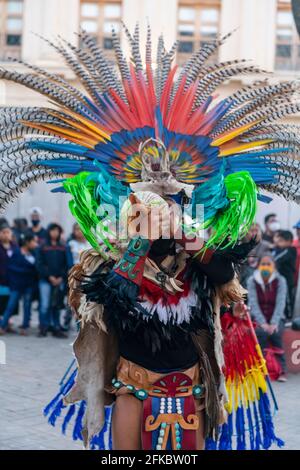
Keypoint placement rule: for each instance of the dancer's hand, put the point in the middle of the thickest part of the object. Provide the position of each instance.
(146, 222)
(239, 309)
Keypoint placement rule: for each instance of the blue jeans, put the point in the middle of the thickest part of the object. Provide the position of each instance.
(49, 316)
(14, 298)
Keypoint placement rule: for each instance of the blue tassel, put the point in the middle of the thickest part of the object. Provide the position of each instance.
(63, 391)
(250, 427)
(98, 441)
(225, 442)
(210, 444)
(269, 436)
(78, 422)
(68, 417)
(258, 441)
(56, 412)
(52, 404)
(240, 428)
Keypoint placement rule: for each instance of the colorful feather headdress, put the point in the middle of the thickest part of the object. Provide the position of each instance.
(133, 127)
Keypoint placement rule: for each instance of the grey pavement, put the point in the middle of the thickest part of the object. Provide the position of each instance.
(30, 377)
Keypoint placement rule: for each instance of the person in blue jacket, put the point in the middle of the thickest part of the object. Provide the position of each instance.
(22, 278)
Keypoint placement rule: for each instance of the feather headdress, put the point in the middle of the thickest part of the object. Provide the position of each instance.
(131, 126)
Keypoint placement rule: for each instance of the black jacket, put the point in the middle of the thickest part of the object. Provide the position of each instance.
(52, 261)
(285, 259)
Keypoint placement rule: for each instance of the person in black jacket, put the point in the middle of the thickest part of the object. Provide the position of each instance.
(22, 277)
(285, 256)
(52, 269)
(7, 249)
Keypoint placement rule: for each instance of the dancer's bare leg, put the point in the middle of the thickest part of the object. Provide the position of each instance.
(126, 423)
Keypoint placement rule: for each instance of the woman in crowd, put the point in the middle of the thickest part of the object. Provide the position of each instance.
(52, 269)
(76, 244)
(22, 277)
(267, 292)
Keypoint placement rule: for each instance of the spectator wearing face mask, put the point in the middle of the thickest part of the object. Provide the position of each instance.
(272, 224)
(285, 256)
(261, 248)
(36, 228)
(267, 291)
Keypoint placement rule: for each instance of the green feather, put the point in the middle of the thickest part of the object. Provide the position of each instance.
(84, 206)
(233, 222)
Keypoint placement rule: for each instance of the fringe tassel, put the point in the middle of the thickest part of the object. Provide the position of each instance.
(103, 440)
(258, 441)
(56, 405)
(210, 444)
(56, 412)
(250, 428)
(225, 442)
(78, 422)
(269, 436)
(68, 417)
(240, 428)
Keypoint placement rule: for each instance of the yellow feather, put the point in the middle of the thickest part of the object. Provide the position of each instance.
(88, 123)
(232, 134)
(80, 127)
(242, 147)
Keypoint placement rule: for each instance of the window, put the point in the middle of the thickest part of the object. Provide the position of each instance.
(98, 17)
(198, 24)
(11, 25)
(287, 39)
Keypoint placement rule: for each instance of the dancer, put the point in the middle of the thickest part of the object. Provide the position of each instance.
(130, 149)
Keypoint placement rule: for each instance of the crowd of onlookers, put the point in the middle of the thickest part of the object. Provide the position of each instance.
(34, 263)
(271, 277)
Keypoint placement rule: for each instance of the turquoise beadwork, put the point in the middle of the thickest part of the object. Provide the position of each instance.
(197, 390)
(141, 394)
(130, 387)
(117, 384)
